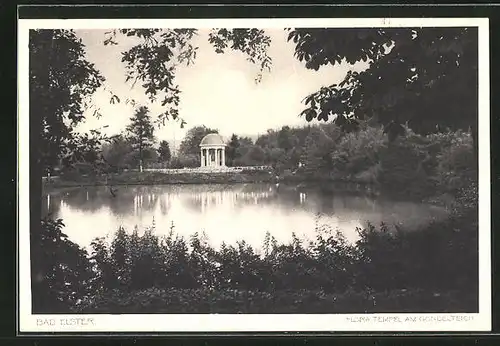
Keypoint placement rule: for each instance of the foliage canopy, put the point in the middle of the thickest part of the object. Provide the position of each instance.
(61, 82)
(424, 77)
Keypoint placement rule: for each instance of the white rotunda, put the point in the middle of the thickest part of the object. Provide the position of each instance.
(213, 151)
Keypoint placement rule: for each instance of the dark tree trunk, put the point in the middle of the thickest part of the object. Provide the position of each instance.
(140, 157)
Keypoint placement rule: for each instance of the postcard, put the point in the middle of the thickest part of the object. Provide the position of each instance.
(254, 175)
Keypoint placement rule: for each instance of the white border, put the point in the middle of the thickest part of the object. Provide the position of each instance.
(247, 322)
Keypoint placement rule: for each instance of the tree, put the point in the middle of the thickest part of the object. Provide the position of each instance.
(246, 142)
(232, 148)
(317, 153)
(268, 140)
(426, 77)
(61, 82)
(285, 139)
(252, 155)
(154, 60)
(164, 152)
(278, 158)
(61, 273)
(119, 257)
(141, 132)
(118, 153)
(190, 145)
(249, 154)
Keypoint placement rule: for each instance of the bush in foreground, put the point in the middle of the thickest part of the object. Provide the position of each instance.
(229, 301)
(437, 265)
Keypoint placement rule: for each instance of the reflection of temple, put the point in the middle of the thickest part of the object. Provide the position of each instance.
(247, 195)
(207, 200)
(302, 197)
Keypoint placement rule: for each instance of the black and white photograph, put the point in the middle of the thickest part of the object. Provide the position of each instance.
(254, 175)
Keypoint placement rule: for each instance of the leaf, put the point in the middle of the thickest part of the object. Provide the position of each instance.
(323, 115)
(309, 99)
(310, 115)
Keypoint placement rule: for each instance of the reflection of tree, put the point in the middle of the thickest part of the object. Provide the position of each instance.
(87, 199)
(258, 188)
(124, 201)
(143, 199)
(326, 205)
(121, 205)
(289, 197)
(164, 204)
(51, 205)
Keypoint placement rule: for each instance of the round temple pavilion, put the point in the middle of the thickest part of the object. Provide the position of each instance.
(213, 151)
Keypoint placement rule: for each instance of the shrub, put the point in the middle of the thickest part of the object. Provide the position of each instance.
(402, 173)
(61, 271)
(457, 166)
(185, 161)
(134, 271)
(382, 259)
(413, 166)
(230, 301)
(358, 151)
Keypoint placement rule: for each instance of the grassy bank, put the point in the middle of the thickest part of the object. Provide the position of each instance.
(160, 178)
(230, 301)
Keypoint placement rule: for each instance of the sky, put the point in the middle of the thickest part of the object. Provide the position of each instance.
(218, 91)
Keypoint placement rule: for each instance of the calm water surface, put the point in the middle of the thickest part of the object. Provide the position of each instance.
(226, 213)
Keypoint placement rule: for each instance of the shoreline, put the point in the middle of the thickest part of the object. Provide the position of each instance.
(328, 187)
(298, 182)
(197, 178)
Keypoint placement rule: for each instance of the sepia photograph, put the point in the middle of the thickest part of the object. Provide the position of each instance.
(209, 175)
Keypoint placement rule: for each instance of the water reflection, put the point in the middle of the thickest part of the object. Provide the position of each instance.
(224, 212)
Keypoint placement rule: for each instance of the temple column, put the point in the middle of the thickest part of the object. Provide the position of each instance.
(223, 150)
(202, 159)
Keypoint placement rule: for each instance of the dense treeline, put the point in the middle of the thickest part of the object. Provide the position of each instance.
(420, 166)
(144, 270)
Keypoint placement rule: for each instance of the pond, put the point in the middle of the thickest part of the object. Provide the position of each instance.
(225, 213)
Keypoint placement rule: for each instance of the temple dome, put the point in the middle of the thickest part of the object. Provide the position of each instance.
(212, 139)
